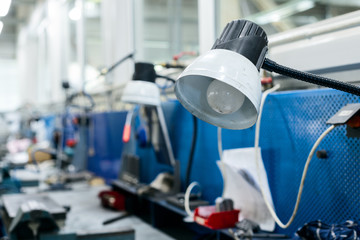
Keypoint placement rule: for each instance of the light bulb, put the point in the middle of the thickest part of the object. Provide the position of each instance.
(224, 98)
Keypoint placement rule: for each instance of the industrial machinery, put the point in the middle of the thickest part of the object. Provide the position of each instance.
(327, 48)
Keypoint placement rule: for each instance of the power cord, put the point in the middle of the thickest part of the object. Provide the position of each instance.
(194, 184)
(187, 198)
(192, 151)
(220, 150)
(257, 133)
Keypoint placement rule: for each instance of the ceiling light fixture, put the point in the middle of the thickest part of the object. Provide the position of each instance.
(1, 26)
(76, 12)
(282, 11)
(4, 7)
(222, 87)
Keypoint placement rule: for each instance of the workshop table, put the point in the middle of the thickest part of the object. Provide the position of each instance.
(87, 215)
(170, 218)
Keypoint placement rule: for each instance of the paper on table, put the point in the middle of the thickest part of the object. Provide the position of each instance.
(242, 185)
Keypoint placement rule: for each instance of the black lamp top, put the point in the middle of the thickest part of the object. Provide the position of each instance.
(144, 71)
(245, 38)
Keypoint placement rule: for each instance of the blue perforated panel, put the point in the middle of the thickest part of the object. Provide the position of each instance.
(292, 122)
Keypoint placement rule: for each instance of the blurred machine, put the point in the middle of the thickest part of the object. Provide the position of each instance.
(326, 48)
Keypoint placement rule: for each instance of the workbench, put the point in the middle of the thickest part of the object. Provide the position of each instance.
(164, 216)
(86, 215)
(161, 214)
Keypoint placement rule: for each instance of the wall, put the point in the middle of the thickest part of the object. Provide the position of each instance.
(164, 28)
(41, 54)
(9, 81)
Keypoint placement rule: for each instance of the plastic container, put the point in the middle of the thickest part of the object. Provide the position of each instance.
(208, 217)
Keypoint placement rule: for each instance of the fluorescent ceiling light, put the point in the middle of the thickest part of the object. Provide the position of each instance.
(1, 26)
(282, 11)
(75, 13)
(4, 7)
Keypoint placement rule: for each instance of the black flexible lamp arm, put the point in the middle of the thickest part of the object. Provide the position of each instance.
(105, 71)
(272, 66)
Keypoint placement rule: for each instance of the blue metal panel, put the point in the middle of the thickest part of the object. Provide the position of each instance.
(107, 142)
(204, 169)
(149, 166)
(292, 121)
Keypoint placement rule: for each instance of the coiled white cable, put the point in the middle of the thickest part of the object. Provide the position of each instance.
(257, 133)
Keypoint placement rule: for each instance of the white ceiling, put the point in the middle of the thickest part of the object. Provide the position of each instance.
(20, 10)
(18, 15)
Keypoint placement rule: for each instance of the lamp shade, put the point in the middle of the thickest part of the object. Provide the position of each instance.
(222, 87)
(141, 92)
(231, 70)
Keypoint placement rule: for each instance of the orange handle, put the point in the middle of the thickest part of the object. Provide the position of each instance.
(126, 133)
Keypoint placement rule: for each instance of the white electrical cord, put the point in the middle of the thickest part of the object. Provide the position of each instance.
(187, 198)
(219, 143)
(263, 98)
(221, 166)
(257, 133)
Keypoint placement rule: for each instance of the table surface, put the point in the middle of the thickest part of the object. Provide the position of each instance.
(87, 214)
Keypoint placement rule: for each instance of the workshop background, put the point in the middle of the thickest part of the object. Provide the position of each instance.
(64, 68)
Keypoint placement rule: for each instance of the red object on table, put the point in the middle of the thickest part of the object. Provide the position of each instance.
(208, 217)
(113, 200)
(70, 142)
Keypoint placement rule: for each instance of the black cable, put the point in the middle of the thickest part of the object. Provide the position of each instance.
(166, 77)
(111, 220)
(272, 66)
(80, 94)
(192, 151)
(108, 70)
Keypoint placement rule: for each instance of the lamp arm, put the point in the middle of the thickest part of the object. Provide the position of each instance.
(272, 66)
(105, 71)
